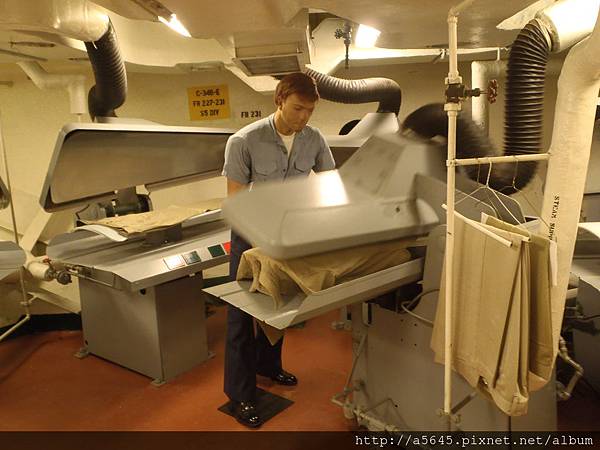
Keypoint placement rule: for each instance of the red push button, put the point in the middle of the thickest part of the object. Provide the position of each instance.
(227, 247)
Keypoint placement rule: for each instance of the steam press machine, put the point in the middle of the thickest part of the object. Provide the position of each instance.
(141, 300)
(390, 188)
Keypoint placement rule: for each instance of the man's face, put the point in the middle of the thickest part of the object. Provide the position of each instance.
(295, 111)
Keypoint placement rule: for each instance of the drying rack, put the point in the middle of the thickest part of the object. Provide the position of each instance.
(452, 107)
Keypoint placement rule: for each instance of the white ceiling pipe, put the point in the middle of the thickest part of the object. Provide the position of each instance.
(74, 84)
(484, 71)
(569, 21)
(575, 110)
(73, 19)
(566, 22)
(77, 19)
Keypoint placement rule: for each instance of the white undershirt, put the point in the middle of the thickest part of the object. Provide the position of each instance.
(288, 141)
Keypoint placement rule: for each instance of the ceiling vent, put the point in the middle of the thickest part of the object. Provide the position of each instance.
(270, 65)
(272, 59)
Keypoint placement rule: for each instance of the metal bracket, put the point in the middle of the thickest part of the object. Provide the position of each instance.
(457, 92)
(345, 33)
(451, 419)
(82, 353)
(158, 382)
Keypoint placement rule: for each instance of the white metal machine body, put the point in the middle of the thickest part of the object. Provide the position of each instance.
(141, 300)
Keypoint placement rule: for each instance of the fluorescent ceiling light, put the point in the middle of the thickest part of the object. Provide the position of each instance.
(366, 36)
(174, 24)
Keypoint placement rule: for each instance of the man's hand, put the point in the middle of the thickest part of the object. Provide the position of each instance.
(234, 187)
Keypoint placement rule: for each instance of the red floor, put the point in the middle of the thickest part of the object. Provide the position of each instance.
(43, 387)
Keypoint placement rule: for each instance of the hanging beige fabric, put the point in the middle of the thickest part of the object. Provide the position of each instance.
(490, 298)
(541, 355)
(510, 390)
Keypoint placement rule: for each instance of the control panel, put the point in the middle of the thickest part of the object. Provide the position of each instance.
(195, 256)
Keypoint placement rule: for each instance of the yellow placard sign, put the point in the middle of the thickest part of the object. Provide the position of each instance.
(209, 102)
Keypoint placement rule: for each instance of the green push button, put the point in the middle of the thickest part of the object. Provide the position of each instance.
(216, 250)
(191, 257)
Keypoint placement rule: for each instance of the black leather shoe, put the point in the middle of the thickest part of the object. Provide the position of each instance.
(245, 413)
(284, 378)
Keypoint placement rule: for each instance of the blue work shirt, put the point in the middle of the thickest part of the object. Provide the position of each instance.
(256, 153)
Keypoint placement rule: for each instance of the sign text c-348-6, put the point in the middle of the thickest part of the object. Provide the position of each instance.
(209, 102)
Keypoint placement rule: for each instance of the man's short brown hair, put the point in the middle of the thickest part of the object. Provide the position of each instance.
(296, 83)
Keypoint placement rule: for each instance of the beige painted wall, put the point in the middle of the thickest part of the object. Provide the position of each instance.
(31, 119)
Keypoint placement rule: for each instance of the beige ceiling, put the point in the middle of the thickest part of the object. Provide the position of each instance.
(404, 23)
(217, 25)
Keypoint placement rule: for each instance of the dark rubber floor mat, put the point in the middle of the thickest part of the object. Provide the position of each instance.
(268, 405)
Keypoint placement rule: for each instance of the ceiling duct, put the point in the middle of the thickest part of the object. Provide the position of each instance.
(274, 51)
(271, 60)
(74, 19)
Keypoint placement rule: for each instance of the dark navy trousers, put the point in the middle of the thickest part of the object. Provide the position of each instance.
(246, 352)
